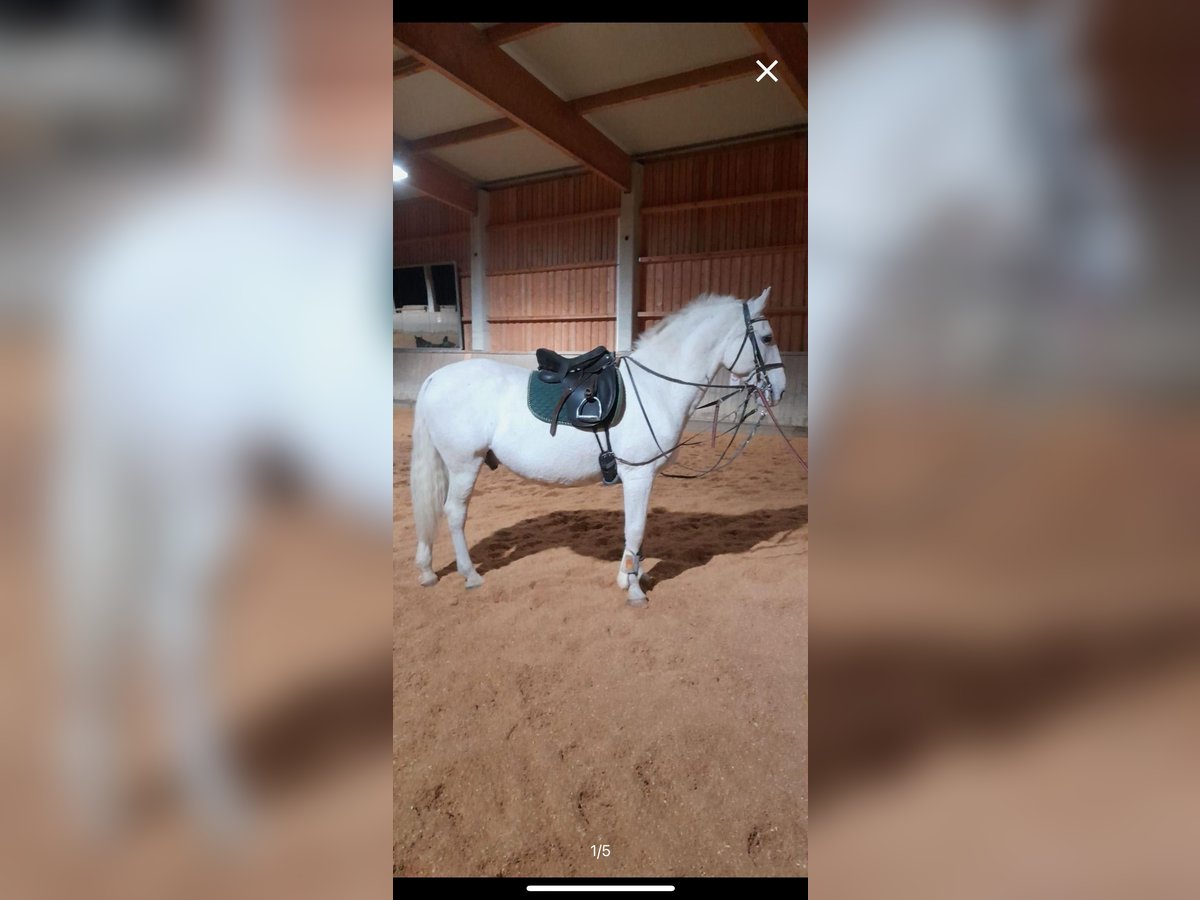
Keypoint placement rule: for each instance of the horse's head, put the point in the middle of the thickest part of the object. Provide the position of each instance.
(750, 353)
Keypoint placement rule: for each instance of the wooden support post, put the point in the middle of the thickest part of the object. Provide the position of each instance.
(628, 248)
(480, 339)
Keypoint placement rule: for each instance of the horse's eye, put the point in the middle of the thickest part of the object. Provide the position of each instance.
(767, 338)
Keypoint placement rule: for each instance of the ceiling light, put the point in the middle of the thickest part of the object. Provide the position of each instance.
(398, 174)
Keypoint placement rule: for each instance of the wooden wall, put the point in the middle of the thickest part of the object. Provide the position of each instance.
(551, 265)
(731, 220)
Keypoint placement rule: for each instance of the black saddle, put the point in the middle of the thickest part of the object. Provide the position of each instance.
(591, 387)
(553, 368)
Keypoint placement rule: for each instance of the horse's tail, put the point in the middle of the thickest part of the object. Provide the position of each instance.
(427, 478)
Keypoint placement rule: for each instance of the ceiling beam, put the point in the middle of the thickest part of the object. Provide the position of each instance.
(658, 87)
(513, 31)
(788, 43)
(406, 65)
(462, 135)
(470, 60)
(499, 34)
(436, 181)
(670, 84)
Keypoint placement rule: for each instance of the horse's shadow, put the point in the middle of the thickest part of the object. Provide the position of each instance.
(336, 719)
(680, 540)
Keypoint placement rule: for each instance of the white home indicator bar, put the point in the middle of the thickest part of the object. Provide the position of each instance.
(599, 887)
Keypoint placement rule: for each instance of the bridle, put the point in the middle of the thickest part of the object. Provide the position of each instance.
(754, 386)
(761, 381)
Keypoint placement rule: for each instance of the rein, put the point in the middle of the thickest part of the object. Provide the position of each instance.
(754, 390)
(775, 422)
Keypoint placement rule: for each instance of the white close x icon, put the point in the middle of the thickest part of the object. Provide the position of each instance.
(766, 70)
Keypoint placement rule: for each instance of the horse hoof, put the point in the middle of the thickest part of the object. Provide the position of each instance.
(474, 580)
(638, 602)
(429, 579)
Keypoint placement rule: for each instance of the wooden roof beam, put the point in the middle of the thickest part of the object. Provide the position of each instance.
(788, 43)
(462, 135)
(670, 84)
(436, 181)
(657, 87)
(470, 60)
(502, 33)
(507, 32)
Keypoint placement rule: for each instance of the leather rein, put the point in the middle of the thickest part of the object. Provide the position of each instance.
(754, 390)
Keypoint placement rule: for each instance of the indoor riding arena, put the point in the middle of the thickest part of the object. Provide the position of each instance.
(566, 187)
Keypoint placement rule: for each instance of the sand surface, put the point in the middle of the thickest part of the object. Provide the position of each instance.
(539, 715)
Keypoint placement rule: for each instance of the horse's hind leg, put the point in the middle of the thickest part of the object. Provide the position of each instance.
(462, 482)
(425, 564)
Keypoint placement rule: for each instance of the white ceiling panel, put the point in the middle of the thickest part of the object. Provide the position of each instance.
(720, 111)
(579, 59)
(428, 103)
(508, 155)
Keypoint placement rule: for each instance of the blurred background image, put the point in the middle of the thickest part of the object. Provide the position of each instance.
(1002, 387)
(195, 449)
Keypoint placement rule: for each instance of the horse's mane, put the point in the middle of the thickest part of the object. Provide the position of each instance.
(682, 321)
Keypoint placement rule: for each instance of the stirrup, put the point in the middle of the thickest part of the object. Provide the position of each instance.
(587, 417)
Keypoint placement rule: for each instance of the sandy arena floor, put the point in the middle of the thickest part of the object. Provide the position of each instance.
(540, 715)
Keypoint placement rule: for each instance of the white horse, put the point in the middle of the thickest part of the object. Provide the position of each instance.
(172, 389)
(476, 409)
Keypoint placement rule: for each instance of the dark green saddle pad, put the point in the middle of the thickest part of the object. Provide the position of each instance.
(542, 398)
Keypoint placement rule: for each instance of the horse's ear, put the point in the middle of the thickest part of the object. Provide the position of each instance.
(759, 303)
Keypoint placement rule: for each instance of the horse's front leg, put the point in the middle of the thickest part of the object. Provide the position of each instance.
(637, 499)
